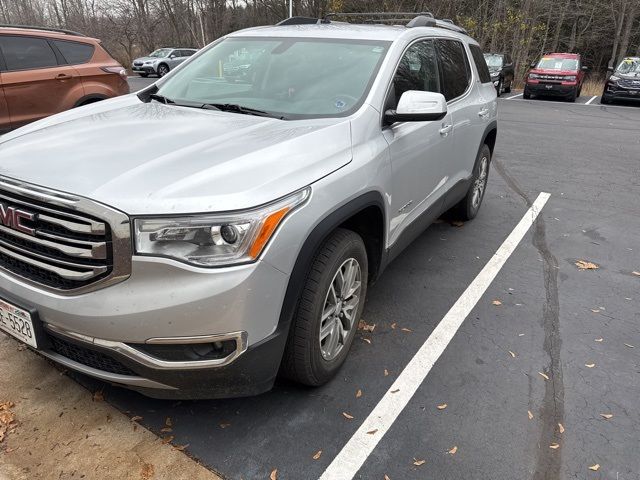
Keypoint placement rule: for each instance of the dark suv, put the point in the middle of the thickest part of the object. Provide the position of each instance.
(624, 82)
(556, 74)
(501, 70)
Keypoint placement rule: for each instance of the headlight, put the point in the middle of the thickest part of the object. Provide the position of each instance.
(148, 62)
(613, 78)
(570, 78)
(217, 239)
(534, 75)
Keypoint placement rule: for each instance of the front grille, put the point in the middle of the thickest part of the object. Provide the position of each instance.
(626, 83)
(90, 358)
(51, 245)
(137, 64)
(557, 78)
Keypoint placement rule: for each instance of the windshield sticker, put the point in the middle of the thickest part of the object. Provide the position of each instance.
(340, 104)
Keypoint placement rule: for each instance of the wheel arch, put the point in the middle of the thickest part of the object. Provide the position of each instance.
(91, 98)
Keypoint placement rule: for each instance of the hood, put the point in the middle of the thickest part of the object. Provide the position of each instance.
(151, 158)
(549, 71)
(628, 76)
(146, 59)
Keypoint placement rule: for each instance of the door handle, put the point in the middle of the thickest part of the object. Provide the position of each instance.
(484, 113)
(445, 130)
(63, 76)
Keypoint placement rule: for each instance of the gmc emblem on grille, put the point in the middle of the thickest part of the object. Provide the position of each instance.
(14, 218)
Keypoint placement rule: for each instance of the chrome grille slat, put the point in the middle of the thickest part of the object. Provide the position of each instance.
(62, 272)
(92, 250)
(71, 222)
(62, 243)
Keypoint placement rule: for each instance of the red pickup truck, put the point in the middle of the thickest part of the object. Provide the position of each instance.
(556, 74)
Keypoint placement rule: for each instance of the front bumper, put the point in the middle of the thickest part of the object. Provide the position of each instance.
(551, 89)
(616, 92)
(148, 69)
(120, 334)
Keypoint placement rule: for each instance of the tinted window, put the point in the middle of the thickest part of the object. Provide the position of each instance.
(74, 52)
(187, 53)
(23, 53)
(417, 70)
(481, 64)
(455, 68)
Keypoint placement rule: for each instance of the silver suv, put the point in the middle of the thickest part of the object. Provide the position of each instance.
(199, 237)
(161, 61)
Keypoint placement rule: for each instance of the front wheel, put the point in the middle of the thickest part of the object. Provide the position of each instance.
(605, 100)
(499, 87)
(507, 89)
(469, 206)
(162, 70)
(326, 319)
(526, 94)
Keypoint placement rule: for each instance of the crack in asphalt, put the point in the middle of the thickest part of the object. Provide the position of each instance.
(548, 461)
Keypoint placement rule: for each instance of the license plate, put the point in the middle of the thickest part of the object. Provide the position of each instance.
(17, 323)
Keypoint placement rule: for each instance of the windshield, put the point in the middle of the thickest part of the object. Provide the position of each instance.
(161, 53)
(493, 60)
(286, 77)
(629, 65)
(554, 63)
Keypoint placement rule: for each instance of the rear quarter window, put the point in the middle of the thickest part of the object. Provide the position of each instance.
(481, 64)
(74, 52)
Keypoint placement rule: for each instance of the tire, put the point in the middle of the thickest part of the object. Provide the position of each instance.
(163, 69)
(508, 89)
(526, 94)
(573, 95)
(144, 75)
(469, 206)
(604, 99)
(309, 358)
(499, 89)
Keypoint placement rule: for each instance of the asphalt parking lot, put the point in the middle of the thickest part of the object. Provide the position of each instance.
(547, 351)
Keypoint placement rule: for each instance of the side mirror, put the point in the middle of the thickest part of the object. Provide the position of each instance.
(533, 65)
(418, 106)
(584, 69)
(172, 55)
(610, 69)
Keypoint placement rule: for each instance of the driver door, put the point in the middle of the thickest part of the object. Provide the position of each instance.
(419, 151)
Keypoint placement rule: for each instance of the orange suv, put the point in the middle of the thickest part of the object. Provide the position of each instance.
(45, 71)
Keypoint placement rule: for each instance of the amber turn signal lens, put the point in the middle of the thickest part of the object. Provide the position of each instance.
(268, 227)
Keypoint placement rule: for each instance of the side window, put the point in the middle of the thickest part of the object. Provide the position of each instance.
(24, 53)
(74, 52)
(481, 64)
(417, 70)
(455, 68)
(174, 53)
(188, 53)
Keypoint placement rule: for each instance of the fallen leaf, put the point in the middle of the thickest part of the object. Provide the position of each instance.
(386, 477)
(166, 429)
(317, 455)
(606, 415)
(136, 418)
(554, 446)
(584, 265)
(386, 372)
(98, 396)
(405, 329)
(395, 391)
(521, 334)
(512, 354)
(21, 347)
(180, 448)
(417, 463)
(496, 302)
(274, 474)
(453, 450)
(358, 393)
(530, 414)
(599, 339)
(147, 471)
(364, 326)
(629, 345)
(224, 425)
(347, 416)
(442, 407)
(595, 467)
(366, 340)
(393, 325)
(637, 274)
(457, 223)
(371, 432)
(589, 365)
(560, 428)
(546, 377)
(595, 310)
(167, 439)
(168, 422)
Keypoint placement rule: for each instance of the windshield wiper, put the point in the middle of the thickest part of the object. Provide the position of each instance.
(161, 98)
(235, 108)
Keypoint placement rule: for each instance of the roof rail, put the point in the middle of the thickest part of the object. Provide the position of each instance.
(302, 21)
(379, 17)
(449, 25)
(46, 29)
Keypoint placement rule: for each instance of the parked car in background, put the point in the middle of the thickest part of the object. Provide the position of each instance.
(624, 82)
(222, 232)
(556, 74)
(44, 71)
(501, 71)
(161, 61)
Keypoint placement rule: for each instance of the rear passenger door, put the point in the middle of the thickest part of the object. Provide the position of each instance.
(419, 151)
(34, 83)
(466, 110)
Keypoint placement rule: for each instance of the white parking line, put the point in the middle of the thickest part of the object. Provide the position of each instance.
(514, 96)
(592, 99)
(353, 455)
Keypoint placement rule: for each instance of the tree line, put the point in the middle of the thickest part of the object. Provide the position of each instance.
(603, 31)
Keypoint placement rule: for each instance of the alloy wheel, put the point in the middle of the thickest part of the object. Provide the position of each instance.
(480, 182)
